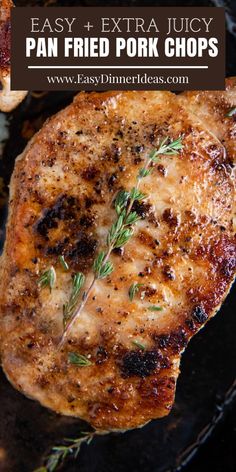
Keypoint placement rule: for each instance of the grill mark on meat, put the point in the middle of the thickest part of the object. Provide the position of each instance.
(79, 253)
(84, 249)
(140, 364)
(78, 246)
(58, 248)
(147, 240)
(170, 218)
(86, 221)
(143, 209)
(174, 342)
(65, 208)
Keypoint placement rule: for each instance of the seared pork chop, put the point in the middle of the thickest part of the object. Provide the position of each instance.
(9, 99)
(213, 108)
(182, 252)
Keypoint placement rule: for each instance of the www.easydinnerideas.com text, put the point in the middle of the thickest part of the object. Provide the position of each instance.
(95, 80)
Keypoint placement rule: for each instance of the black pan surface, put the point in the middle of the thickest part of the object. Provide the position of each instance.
(200, 432)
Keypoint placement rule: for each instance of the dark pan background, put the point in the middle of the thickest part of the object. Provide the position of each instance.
(200, 432)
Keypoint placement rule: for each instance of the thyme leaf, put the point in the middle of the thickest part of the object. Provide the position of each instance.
(132, 218)
(68, 308)
(79, 359)
(155, 308)
(231, 112)
(102, 268)
(134, 288)
(121, 201)
(63, 262)
(169, 148)
(47, 278)
(136, 195)
(139, 345)
(143, 173)
(123, 237)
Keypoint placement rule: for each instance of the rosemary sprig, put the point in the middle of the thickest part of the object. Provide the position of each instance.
(155, 308)
(47, 278)
(78, 359)
(120, 232)
(134, 288)
(59, 454)
(231, 112)
(139, 345)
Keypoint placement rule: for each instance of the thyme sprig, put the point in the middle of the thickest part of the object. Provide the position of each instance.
(69, 307)
(120, 232)
(47, 278)
(59, 454)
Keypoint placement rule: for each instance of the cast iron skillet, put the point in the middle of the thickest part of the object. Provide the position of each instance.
(206, 387)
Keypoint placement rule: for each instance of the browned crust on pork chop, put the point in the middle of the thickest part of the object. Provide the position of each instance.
(212, 108)
(182, 251)
(9, 99)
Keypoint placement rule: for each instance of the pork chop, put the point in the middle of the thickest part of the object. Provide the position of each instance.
(213, 109)
(182, 253)
(9, 99)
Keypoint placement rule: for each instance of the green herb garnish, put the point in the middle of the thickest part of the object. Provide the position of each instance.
(169, 149)
(79, 359)
(63, 263)
(155, 308)
(47, 278)
(144, 173)
(231, 112)
(102, 268)
(69, 307)
(134, 288)
(59, 454)
(121, 230)
(139, 345)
